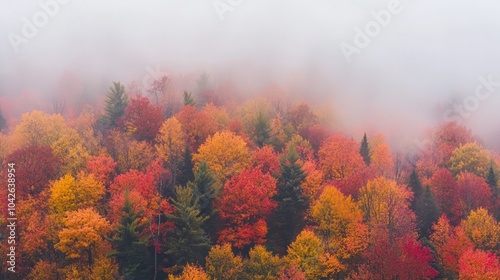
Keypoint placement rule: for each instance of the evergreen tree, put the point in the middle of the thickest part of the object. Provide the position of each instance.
(116, 101)
(186, 168)
(417, 189)
(203, 188)
(261, 130)
(188, 243)
(3, 121)
(492, 181)
(130, 249)
(288, 218)
(188, 99)
(428, 212)
(364, 150)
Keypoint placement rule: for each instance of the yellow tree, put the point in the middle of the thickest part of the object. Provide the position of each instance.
(385, 205)
(170, 146)
(221, 263)
(472, 158)
(262, 264)
(83, 235)
(69, 194)
(38, 128)
(70, 148)
(191, 272)
(226, 154)
(382, 161)
(306, 252)
(340, 228)
(483, 230)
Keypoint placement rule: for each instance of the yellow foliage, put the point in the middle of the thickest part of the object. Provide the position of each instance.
(306, 251)
(340, 227)
(190, 272)
(83, 232)
(470, 157)
(70, 148)
(483, 230)
(219, 115)
(103, 269)
(69, 194)
(222, 264)
(38, 128)
(226, 154)
(169, 142)
(262, 264)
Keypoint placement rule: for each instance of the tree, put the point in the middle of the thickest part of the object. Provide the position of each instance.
(38, 129)
(491, 179)
(82, 235)
(102, 167)
(141, 119)
(483, 230)
(70, 194)
(188, 242)
(204, 189)
(221, 263)
(261, 132)
(70, 149)
(35, 167)
(225, 153)
(170, 146)
(479, 265)
(3, 121)
(186, 167)
(427, 212)
(473, 192)
(306, 252)
(339, 158)
(130, 247)
(340, 227)
(188, 99)
(191, 272)
(196, 126)
(385, 205)
(267, 161)
(472, 158)
(288, 219)
(416, 187)
(244, 205)
(261, 264)
(445, 188)
(364, 150)
(116, 101)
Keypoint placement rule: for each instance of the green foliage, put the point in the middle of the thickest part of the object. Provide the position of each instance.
(186, 168)
(116, 101)
(261, 130)
(491, 179)
(288, 218)
(364, 150)
(130, 249)
(188, 99)
(416, 187)
(188, 243)
(427, 212)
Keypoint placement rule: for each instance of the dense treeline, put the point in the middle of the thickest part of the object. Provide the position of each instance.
(195, 188)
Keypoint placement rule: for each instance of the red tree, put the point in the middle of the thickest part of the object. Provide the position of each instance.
(473, 192)
(196, 126)
(142, 119)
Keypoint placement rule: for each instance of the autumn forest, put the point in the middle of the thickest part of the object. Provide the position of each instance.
(187, 186)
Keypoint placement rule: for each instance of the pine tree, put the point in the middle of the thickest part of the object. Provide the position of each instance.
(427, 212)
(204, 188)
(186, 168)
(288, 218)
(189, 243)
(130, 249)
(364, 150)
(115, 104)
(417, 189)
(492, 182)
(3, 121)
(261, 130)
(188, 99)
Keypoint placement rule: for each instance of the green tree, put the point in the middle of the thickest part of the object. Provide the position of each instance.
(261, 133)
(3, 121)
(288, 218)
(492, 181)
(116, 101)
(186, 168)
(262, 264)
(364, 150)
(188, 243)
(427, 212)
(416, 187)
(188, 99)
(130, 249)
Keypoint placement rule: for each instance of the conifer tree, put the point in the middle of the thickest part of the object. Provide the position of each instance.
(364, 150)
(130, 249)
(186, 168)
(428, 212)
(492, 182)
(3, 121)
(417, 189)
(189, 243)
(116, 101)
(188, 99)
(288, 218)
(261, 130)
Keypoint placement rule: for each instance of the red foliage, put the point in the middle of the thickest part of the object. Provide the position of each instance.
(316, 135)
(355, 182)
(196, 126)
(266, 160)
(444, 188)
(142, 117)
(339, 158)
(142, 182)
(103, 168)
(35, 166)
(473, 192)
(245, 203)
(479, 265)
(448, 137)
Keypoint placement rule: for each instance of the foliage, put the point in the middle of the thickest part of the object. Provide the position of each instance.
(221, 263)
(364, 150)
(141, 119)
(470, 157)
(479, 265)
(306, 252)
(262, 264)
(116, 101)
(339, 158)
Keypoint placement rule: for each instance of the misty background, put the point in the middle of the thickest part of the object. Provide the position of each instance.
(426, 59)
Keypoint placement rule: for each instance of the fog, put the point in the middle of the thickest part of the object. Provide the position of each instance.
(428, 58)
